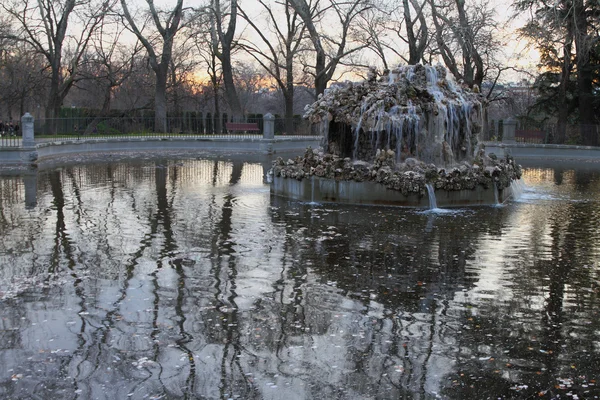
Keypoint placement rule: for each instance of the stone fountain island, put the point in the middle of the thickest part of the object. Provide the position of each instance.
(409, 138)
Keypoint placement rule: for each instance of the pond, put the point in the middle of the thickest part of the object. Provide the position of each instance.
(183, 278)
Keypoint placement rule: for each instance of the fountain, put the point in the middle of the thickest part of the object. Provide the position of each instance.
(409, 138)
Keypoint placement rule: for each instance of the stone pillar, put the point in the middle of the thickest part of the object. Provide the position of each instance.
(510, 125)
(27, 130)
(268, 132)
(269, 126)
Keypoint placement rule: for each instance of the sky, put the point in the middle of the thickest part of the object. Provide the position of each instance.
(515, 51)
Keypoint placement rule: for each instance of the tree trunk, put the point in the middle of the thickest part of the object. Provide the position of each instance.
(160, 69)
(213, 73)
(561, 126)
(289, 112)
(586, 107)
(230, 91)
(584, 76)
(53, 106)
(423, 34)
(217, 123)
(160, 101)
(415, 47)
(226, 41)
(22, 104)
(175, 93)
(288, 95)
(320, 76)
(562, 101)
(52, 109)
(103, 112)
(302, 8)
(445, 51)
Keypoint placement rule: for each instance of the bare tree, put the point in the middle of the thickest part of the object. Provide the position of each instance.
(417, 33)
(207, 47)
(22, 78)
(167, 24)
(584, 42)
(137, 91)
(223, 45)
(332, 42)
(7, 38)
(117, 64)
(280, 50)
(44, 25)
(552, 32)
(21, 72)
(566, 34)
(374, 23)
(465, 38)
(112, 64)
(250, 81)
(181, 84)
(401, 31)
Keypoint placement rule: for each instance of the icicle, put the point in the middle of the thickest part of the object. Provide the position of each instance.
(356, 132)
(409, 72)
(496, 195)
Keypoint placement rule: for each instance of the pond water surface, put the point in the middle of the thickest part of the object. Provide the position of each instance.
(185, 279)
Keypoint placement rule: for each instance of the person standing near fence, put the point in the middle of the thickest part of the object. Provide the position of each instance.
(1, 128)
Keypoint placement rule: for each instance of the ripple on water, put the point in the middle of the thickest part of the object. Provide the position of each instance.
(445, 211)
(149, 273)
(535, 195)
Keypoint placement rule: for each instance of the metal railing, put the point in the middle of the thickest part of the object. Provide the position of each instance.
(145, 127)
(10, 135)
(10, 141)
(588, 135)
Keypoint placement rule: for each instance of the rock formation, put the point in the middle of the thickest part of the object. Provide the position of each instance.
(410, 176)
(411, 128)
(417, 111)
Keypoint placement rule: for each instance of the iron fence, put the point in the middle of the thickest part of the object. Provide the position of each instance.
(10, 134)
(146, 127)
(588, 135)
(10, 141)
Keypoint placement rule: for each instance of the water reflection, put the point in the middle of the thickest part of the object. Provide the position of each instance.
(184, 278)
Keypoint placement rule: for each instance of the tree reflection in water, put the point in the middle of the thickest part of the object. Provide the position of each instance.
(186, 279)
